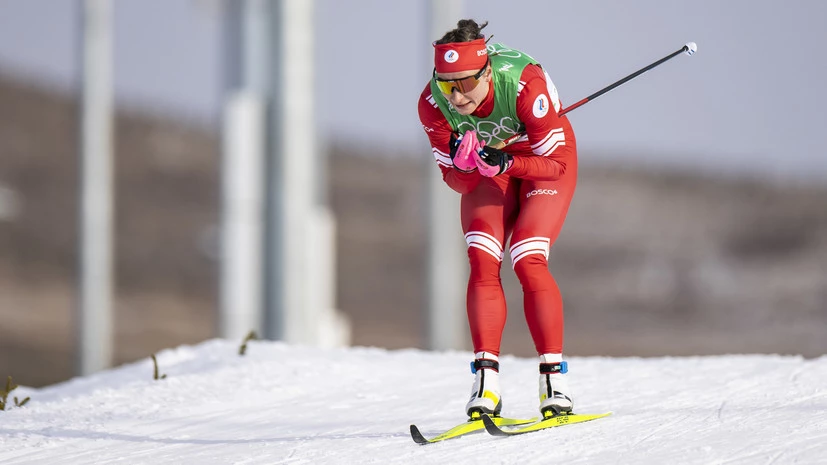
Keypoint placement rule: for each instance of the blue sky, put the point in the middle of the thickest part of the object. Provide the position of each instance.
(750, 101)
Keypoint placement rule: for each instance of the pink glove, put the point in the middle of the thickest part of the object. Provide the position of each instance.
(468, 147)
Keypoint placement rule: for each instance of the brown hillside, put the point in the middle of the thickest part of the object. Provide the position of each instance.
(649, 263)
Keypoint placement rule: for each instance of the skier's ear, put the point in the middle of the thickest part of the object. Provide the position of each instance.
(488, 73)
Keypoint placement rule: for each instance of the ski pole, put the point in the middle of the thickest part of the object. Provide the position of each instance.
(689, 48)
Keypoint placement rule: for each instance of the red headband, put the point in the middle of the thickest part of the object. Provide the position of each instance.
(460, 56)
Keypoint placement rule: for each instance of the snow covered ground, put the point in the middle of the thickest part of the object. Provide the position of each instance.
(297, 405)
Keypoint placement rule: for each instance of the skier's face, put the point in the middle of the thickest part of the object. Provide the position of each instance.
(466, 101)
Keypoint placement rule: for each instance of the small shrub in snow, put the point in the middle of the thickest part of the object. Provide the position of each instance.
(251, 336)
(4, 395)
(155, 369)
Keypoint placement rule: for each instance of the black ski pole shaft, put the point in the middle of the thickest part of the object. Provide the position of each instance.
(689, 49)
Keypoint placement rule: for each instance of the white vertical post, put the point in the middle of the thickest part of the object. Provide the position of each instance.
(94, 304)
(327, 326)
(243, 170)
(291, 158)
(299, 286)
(242, 173)
(255, 38)
(447, 263)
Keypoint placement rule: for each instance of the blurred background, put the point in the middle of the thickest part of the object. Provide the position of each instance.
(699, 225)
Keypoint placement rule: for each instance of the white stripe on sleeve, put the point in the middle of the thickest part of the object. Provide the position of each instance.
(554, 139)
(442, 158)
(430, 98)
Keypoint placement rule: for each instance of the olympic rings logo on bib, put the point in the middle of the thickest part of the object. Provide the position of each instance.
(492, 131)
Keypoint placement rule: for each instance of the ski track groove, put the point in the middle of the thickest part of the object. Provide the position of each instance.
(721, 411)
(777, 449)
(657, 430)
(774, 458)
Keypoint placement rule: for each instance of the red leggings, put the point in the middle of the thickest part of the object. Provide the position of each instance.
(531, 213)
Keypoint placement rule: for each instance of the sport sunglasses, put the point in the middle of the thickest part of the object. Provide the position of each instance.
(464, 85)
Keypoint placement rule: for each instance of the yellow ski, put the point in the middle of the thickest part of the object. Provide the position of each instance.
(558, 420)
(469, 426)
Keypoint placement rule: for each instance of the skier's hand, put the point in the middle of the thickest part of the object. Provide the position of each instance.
(463, 149)
(492, 162)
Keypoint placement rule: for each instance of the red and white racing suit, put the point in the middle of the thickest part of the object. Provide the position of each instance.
(527, 203)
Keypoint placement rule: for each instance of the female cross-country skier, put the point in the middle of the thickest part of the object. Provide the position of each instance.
(490, 113)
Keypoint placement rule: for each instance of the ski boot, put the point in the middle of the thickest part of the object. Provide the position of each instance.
(485, 394)
(555, 394)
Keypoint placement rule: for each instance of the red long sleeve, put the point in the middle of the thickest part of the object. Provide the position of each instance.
(439, 134)
(551, 141)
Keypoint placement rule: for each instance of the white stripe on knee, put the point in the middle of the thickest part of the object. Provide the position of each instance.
(532, 245)
(485, 242)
